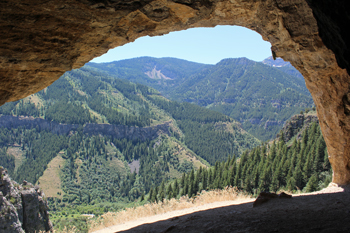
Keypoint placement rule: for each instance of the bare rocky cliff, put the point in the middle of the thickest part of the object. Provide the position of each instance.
(41, 40)
(296, 126)
(23, 208)
(116, 131)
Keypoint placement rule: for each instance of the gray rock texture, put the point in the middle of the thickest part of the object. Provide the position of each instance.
(117, 131)
(23, 208)
(296, 126)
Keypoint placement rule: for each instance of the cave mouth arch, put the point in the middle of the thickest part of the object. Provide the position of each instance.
(42, 40)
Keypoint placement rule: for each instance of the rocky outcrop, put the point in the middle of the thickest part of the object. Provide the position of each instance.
(269, 123)
(41, 40)
(130, 132)
(23, 208)
(296, 126)
(116, 131)
(31, 122)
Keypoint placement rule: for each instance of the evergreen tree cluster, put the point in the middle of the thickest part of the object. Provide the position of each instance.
(93, 174)
(69, 113)
(201, 135)
(20, 108)
(40, 147)
(73, 97)
(96, 167)
(7, 161)
(298, 165)
(185, 111)
(86, 96)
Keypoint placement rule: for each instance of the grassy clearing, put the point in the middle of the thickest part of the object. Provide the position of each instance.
(119, 165)
(17, 152)
(111, 149)
(186, 154)
(50, 181)
(35, 99)
(151, 209)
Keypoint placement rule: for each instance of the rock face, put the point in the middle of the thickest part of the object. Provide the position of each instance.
(23, 208)
(296, 126)
(117, 131)
(133, 133)
(42, 39)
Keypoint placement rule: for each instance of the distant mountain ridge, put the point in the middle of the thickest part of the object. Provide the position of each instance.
(159, 73)
(279, 62)
(282, 65)
(260, 95)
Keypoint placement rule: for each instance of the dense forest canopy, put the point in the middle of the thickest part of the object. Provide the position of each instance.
(294, 165)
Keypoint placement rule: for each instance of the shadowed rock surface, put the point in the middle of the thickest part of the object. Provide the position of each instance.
(117, 131)
(312, 212)
(23, 208)
(43, 39)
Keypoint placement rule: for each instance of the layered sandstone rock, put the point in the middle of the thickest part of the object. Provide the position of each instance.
(42, 39)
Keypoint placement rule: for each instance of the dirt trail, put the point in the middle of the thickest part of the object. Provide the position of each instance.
(327, 210)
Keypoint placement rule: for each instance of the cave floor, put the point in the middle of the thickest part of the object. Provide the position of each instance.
(324, 211)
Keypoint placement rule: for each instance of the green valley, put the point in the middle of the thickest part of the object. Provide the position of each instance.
(95, 142)
(98, 143)
(259, 95)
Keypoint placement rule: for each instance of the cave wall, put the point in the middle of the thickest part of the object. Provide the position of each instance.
(42, 39)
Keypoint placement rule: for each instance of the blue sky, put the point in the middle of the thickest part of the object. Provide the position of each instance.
(203, 45)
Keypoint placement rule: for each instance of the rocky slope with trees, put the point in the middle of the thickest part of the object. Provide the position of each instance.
(296, 162)
(111, 140)
(260, 95)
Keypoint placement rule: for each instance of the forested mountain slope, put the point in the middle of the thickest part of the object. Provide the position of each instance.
(95, 142)
(260, 96)
(163, 74)
(297, 163)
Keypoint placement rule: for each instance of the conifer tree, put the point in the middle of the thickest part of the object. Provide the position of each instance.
(312, 184)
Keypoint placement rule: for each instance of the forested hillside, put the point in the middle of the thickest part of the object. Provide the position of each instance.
(102, 171)
(85, 96)
(293, 165)
(260, 96)
(163, 74)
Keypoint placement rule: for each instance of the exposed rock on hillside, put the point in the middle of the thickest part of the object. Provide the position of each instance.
(31, 122)
(117, 131)
(23, 208)
(296, 126)
(130, 132)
